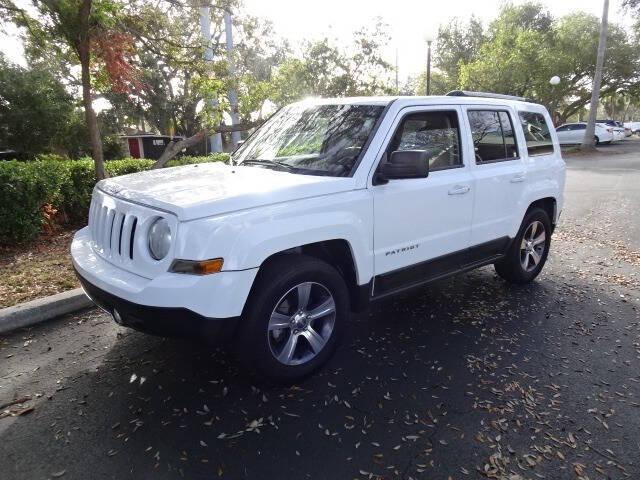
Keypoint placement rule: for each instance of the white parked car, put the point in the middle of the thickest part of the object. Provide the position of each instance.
(573, 133)
(330, 205)
(618, 128)
(633, 126)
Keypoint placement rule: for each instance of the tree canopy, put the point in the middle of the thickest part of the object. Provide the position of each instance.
(35, 109)
(331, 71)
(145, 58)
(525, 46)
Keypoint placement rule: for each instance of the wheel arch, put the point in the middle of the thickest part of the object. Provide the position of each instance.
(549, 205)
(337, 253)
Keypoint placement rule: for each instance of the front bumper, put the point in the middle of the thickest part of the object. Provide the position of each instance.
(163, 321)
(166, 299)
(221, 295)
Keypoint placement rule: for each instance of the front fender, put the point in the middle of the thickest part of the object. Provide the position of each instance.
(245, 239)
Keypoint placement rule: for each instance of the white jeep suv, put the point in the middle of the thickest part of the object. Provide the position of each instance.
(330, 205)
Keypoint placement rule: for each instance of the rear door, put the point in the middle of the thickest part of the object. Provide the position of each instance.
(499, 174)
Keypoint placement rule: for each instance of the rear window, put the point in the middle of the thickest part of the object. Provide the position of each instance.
(536, 133)
(493, 137)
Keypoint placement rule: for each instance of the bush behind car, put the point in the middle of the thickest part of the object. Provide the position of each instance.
(30, 191)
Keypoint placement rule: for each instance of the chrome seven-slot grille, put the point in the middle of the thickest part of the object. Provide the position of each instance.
(113, 232)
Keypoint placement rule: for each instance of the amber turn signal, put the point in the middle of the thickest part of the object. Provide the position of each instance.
(193, 267)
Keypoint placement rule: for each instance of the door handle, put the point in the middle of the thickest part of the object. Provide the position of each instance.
(518, 178)
(459, 190)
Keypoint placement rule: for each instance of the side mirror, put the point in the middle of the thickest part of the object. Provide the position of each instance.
(406, 164)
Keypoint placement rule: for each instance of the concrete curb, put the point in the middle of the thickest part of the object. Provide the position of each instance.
(42, 309)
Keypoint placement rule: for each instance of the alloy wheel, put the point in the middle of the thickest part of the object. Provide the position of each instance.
(301, 324)
(534, 242)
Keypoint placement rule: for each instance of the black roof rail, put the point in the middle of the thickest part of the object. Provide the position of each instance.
(465, 93)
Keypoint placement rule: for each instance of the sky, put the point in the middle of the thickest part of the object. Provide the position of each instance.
(410, 21)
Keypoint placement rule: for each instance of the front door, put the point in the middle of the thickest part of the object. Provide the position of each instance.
(134, 147)
(577, 133)
(422, 226)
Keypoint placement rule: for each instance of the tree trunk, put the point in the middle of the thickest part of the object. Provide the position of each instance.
(83, 46)
(589, 134)
(173, 148)
(626, 110)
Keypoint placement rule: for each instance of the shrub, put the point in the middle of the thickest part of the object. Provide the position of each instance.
(112, 147)
(27, 189)
(45, 157)
(188, 160)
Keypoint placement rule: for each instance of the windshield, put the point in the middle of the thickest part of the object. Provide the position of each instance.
(311, 139)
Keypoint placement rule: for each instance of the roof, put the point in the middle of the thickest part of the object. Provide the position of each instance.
(380, 100)
(419, 100)
(150, 135)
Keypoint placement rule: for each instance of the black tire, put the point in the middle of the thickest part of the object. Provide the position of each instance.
(596, 140)
(273, 286)
(511, 267)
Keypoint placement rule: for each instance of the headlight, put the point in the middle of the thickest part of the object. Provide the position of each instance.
(159, 239)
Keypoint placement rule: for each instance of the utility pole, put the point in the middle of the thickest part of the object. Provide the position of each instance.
(233, 96)
(553, 81)
(429, 39)
(397, 87)
(215, 141)
(589, 134)
(429, 69)
(613, 106)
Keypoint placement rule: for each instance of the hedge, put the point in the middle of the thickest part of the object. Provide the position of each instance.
(30, 192)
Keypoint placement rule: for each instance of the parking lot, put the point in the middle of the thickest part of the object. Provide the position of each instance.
(467, 378)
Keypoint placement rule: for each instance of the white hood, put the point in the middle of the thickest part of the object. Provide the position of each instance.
(207, 189)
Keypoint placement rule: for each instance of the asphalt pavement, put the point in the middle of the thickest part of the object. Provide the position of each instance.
(466, 378)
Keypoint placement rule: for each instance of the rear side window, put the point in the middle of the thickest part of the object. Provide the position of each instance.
(435, 132)
(493, 136)
(536, 133)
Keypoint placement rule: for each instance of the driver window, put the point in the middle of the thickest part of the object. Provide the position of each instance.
(434, 132)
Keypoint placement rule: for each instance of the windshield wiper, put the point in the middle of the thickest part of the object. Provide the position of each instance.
(261, 161)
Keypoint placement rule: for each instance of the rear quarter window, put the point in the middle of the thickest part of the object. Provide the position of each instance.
(536, 133)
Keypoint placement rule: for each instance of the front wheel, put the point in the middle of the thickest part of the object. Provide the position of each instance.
(529, 250)
(294, 318)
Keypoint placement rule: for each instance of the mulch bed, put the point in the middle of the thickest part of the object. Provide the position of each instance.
(36, 269)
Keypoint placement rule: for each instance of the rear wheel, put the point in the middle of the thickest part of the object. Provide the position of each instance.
(294, 318)
(596, 140)
(529, 250)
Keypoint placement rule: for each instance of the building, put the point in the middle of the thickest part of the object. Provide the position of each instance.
(146, 145)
